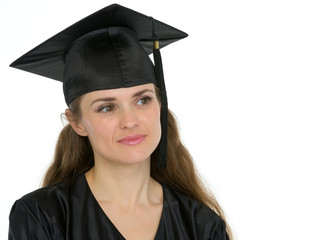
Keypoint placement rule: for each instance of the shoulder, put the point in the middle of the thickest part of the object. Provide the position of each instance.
(45, 198)
(45, 192)
(188, 204)
(41, 211)
(206, 224)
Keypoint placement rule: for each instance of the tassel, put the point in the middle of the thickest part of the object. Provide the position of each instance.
(162, 162)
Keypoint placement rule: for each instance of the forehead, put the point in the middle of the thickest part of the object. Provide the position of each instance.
(117, 92)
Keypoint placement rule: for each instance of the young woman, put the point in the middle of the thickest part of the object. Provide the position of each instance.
(120, 170)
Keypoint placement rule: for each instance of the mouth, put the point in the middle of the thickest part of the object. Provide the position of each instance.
(132, 140)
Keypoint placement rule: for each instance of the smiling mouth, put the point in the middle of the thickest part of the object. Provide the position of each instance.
(132, 140)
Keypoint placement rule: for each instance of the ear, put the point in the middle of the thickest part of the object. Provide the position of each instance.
(75, 124)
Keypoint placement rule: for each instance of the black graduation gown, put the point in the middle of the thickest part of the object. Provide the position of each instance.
(70, 211)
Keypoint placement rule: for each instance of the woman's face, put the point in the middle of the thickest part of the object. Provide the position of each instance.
(123, 125)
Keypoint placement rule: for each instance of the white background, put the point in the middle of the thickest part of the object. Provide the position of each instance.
(239, 85)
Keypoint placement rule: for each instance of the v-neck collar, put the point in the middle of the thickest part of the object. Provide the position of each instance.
(159, 231)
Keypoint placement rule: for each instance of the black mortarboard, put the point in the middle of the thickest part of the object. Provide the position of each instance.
(106, 50)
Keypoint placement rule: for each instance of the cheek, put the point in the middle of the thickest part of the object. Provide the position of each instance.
(153, 122)
(100, 130)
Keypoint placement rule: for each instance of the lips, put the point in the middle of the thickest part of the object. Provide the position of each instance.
(132, 140)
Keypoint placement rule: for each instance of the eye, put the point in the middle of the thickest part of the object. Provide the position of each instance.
(107, 108)
(144, 101)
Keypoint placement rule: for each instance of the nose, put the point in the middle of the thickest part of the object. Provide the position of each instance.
(128, 118)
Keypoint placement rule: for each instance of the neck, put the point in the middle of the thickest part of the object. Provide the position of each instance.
(127, 184)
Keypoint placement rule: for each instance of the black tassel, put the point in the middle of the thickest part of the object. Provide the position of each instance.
(162, 162)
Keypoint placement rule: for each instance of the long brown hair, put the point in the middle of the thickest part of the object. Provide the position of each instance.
(74, 156)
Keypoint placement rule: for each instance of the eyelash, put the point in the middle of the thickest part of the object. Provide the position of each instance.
(101, 108)
(147, 99)
(112, 107)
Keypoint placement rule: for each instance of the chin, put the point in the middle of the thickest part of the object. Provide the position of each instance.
(135, 158)
(136, 154)
(128, 155)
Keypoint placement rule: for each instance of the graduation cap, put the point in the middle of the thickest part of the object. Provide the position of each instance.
(106, 50)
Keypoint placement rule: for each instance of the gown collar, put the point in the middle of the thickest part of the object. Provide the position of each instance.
(88, 192)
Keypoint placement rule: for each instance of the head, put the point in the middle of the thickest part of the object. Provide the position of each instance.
(106, 50)
(122, 125)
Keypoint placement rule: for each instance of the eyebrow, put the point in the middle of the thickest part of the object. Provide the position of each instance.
(112, 99)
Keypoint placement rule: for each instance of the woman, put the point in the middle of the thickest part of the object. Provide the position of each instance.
(120, 170)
